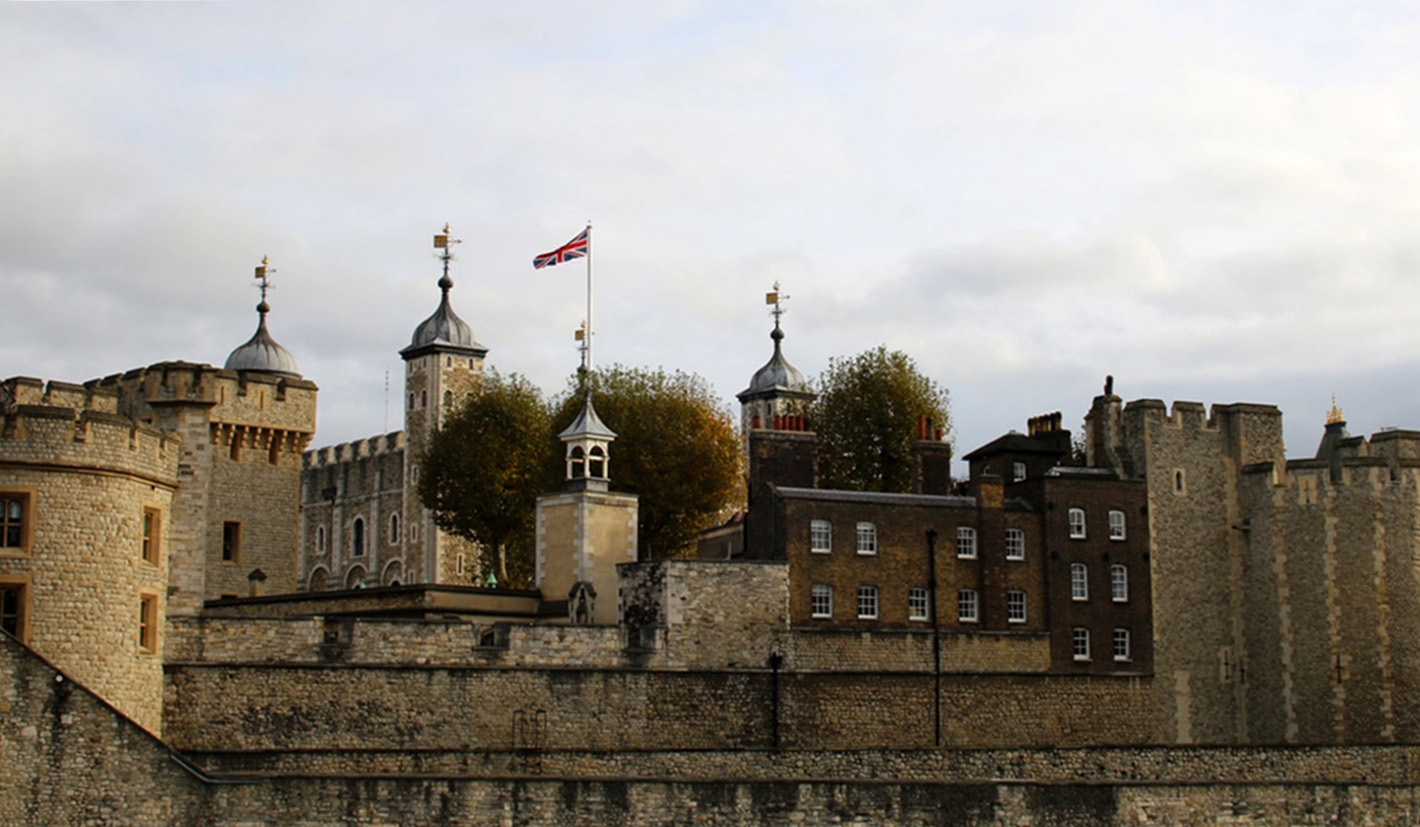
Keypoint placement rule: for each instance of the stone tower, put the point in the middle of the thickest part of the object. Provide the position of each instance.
(443, 364)
(584, 531)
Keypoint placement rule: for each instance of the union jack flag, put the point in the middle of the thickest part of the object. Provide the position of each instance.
(576, 248)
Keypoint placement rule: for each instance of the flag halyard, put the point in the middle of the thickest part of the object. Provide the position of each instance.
(578, 247)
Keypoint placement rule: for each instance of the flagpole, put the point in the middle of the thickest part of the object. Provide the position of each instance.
(589, 297)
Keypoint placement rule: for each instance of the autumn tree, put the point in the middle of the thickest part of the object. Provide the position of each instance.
(484, 469)
(866, 419)
(676, 449)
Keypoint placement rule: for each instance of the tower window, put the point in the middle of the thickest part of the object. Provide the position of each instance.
(148, 622)
(357, 538)
(14, 514)
(12, 609)
(231, 542)
(394, 529)
(423, 399)
(448, 399)
(152, 533)
(596, 463)
(411, 401)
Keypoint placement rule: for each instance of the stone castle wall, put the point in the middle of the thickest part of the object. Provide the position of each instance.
(362, 480)
(87, 475)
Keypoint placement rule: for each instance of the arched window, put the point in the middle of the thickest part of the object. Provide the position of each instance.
(320, 541)
(448, 399)
(318, 580)
(357, 538)
(423, 399)
(394, 529)
(576, 463)
(596, 465)
(356, 578)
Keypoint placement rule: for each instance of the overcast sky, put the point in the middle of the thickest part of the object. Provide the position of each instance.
(1210, 201)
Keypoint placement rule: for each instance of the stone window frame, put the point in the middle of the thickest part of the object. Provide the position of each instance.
(1117, 525)
(1119, 583)
(820, 537)
(1015, 544)
(413, 531)
(395, 536)
(968, 606)
(966, 542)
(867, 602)
(21, 603)
(821, 601)
(231, 542)
(867, 534)
(1018, 471)
(1079, 582)
(1077, 524)
(1080, 644)
(20, 529)
(148, 623)
(150, 529)
(1180, 482)
(1015, 606)
(919, 604)
(320, 539)
(1120, 641)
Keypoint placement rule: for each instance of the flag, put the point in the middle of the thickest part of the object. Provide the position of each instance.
(576, 248)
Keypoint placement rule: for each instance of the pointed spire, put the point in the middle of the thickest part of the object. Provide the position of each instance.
(777, 376)
(261, 352)
(444, 331)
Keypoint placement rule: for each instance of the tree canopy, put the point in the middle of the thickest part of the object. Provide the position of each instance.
(676, 448)
(866, 419)
(484, 469)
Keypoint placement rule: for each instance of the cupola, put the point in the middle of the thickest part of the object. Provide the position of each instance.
(587, 440)
(444, 332)
(261, 352)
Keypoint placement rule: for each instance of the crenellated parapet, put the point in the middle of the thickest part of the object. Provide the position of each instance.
(240, 398)
(59, 425)
(329, 455)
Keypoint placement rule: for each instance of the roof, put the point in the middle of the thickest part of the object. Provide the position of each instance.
(876, 497)
(777, 376)
(444, 330)
(587, 423)
(262, 353)
(1014, 443)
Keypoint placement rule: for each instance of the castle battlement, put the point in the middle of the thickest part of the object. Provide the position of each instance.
(348, 451)
(245, 400)
(76, 426)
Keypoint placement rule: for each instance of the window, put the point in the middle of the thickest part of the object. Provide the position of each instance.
(918, 605)
(1116, 525)
(867, 538)
(459, 564)
(411, 401)
(357, 538)
(414, 474)
(1015, 607)
(394, 529)
(1018, 472)
(1121, 644)
(14, 520)
(414, 532)
(448, 399)
(1077, 524)
(966, 542)
(1015, 544)
(231, 542)
(1180, 486)
(1119, 583)
(148, 622)
(821, 601)
(235, 449)
(968, 606)
(867, 602)
(820, 536)
(1079, 582)
(273, 452)
(1080, 643)
(320, 539)
(12, 609)
(423, 399)
(152, 533)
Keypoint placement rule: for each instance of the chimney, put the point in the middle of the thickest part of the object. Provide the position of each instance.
(776, 458)
(931, 460)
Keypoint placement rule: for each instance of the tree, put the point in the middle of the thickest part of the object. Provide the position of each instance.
(483, 471)
(676, 448)
(866, 419)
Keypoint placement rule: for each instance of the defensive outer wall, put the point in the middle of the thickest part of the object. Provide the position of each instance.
(69, 758)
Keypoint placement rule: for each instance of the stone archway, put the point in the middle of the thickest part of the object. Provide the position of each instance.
(355, 578)
(394, 573)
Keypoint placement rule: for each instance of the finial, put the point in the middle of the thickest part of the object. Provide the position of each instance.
(263, 274)
(777, 299)
(581, 338)
(1335, 415)
(443, 241)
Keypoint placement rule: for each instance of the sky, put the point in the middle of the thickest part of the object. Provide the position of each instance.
(1210, 201)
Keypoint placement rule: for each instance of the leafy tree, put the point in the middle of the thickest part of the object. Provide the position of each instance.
(866, 419)
(676, 448)
(483, 471)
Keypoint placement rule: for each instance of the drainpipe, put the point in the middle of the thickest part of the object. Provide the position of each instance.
(936, 637)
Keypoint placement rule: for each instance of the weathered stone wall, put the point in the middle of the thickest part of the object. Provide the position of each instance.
(362, 480)
(89, 475)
